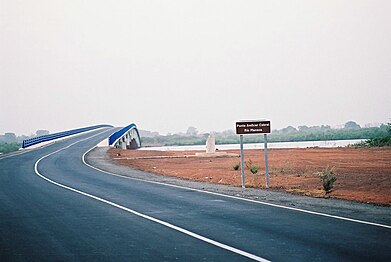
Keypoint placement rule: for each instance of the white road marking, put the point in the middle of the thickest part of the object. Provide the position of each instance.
(161, 222)
(15, 154)
(238, 198)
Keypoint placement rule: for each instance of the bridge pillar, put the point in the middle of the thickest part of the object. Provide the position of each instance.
(127, 139)
(123, 143)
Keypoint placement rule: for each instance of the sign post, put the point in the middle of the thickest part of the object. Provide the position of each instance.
(248, 128)
(266, 161)
(242, 161)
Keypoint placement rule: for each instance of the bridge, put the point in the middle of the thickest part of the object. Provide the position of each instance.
(126, 138)
(51, 137)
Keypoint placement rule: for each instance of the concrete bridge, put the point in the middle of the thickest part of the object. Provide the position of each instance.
(126, 138)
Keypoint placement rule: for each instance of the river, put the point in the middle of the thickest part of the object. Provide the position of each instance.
(305, 144)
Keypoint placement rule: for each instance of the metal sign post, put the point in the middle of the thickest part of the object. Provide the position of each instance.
(248, 128)
(242, 161)
(266, 162)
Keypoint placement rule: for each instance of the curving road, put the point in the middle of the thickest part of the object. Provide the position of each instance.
(54, 207)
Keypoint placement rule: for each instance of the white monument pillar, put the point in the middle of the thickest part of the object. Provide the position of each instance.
(211, 144)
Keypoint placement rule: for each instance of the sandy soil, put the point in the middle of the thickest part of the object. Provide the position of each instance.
(363, 174)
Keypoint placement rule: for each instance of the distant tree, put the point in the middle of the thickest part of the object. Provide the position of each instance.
(22, 137)
(352, 125)
(225, 133)
(145, 133)
(276, 131)
(288, 129)
(9, 138)
(8, 147)
(192, 131)
(315, 128)
(42, 132)
(303, 128)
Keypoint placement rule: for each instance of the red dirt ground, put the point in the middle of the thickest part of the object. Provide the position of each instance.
(363, 174)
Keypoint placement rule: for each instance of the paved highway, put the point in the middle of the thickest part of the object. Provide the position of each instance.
(54, 207)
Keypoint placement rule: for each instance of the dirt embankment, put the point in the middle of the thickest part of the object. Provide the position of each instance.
(363, 174)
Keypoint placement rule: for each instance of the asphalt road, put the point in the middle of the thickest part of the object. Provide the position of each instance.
(55, 208)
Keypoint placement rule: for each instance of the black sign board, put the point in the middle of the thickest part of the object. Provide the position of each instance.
(252, 127)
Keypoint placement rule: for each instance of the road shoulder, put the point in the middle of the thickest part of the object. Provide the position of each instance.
(366, 212)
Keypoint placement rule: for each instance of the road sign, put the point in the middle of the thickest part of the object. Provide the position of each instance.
(248, 128)
(252, 127)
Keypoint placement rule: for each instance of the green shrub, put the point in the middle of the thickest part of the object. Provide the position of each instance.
(9, 147)
(375, 142)
(236, 166)
(253, 168)
(328, 178)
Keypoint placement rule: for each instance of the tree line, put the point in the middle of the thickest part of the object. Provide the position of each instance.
(350, 131)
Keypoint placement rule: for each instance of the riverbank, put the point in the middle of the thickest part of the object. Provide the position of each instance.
(363, 174)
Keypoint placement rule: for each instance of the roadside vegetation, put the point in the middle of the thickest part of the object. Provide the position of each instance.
(328, 179)
(236, 166)
(253, 168)
(9, 147)
(10, 142)
(378, 141)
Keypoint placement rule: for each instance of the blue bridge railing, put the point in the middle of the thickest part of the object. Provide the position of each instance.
(45, 138)
(117, 135)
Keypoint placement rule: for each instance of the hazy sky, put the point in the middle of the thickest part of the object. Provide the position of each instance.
(166, 65)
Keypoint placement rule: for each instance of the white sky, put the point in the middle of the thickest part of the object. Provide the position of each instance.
(166, 65)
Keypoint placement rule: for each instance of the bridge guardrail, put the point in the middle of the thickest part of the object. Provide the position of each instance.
(45, 138)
